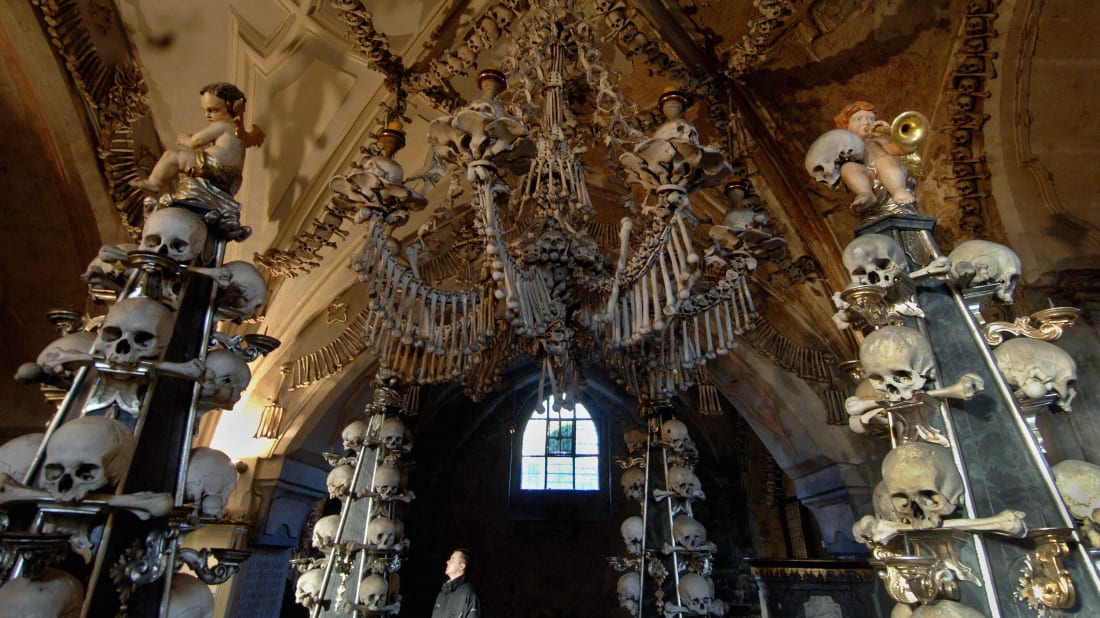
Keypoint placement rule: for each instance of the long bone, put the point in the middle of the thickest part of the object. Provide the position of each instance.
(1008, 522)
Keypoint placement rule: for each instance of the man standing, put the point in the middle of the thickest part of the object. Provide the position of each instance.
(457, 598)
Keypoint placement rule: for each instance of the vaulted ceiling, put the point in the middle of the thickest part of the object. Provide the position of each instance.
(92, 90)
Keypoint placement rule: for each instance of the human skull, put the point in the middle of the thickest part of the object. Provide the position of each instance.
(373, 591)
(392, 434)
(324, 532)
(227, 375)
(55, 353)
(829, 152)
(674, 433)
(898, 361)
(883, 503)
(308, 589)
(135, 329)
(629, 588)
(636, 439)
(189, 598)
(978, 262)
(696, 592)
(874, 259)
(633, 482)
(247, 290)
(387, 480)
(923, 482)
(353, 435)
(1035, 367)
(685, 483)
(678, 129)
(1079, 484)
(211, 478)
(54, 594)
(175, 233)
(633, 531)
(17, 455)
(383, 532)
(85, 454)
(945, 608)
(339, 481)
(689, 532)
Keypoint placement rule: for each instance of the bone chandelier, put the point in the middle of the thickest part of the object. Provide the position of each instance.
(531, 267)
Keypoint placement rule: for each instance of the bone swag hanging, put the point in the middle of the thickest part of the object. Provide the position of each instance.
(545, 287)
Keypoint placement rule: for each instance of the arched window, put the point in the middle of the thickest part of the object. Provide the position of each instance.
(561, 450)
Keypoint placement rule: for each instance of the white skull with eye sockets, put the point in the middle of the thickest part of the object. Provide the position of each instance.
(307, 592)
(923, 483)
(1078, 483)
(373, 591)
(86, 454)
(829, 152)
(227, 375)
(875, 259)
(684, 483)
(246, 292)
(211, 478)
(674, 433)
(190, 598)
(384, 533)
(54, 594)
(392, 434)
(633, 482)
(979, 262)
(62, 349)
(17, 455)
(324, 532)
(897, 361)
(339, 481)
(387, 480)
(689, 533)
(636, 438)
(353, 436)
(1034, 368)
(174, 233)
(629, 588)
(633, 531)
(135, 329)
(696, 592)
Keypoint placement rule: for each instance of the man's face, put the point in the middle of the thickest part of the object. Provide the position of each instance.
(455, 565)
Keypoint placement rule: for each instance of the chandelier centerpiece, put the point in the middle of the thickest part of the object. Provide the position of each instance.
(549, 278)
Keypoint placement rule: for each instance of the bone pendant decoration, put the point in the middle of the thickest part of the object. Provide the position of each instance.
(86, 454)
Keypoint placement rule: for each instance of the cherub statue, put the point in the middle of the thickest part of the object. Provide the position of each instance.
(880, 163)
(215, 153)
(861, 152)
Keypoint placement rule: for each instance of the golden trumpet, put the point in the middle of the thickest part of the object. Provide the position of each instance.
(909, 129)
